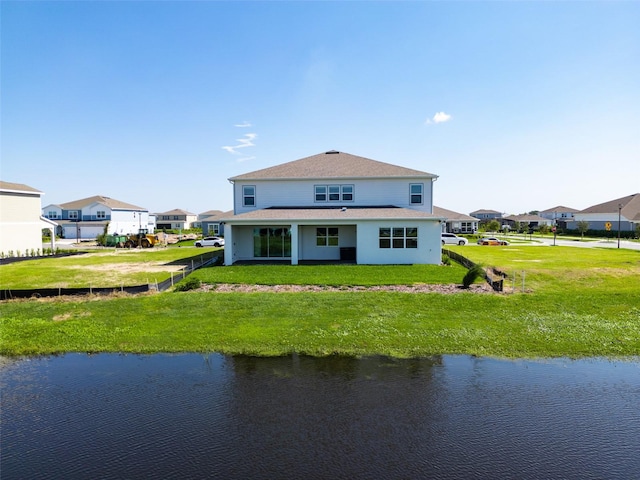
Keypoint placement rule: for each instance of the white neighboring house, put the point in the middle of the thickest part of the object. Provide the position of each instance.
(85, 219)
(176, 219)
(20, 221)
(456, 222)
(334, 206)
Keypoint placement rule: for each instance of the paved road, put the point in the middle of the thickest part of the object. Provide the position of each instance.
(584, 244)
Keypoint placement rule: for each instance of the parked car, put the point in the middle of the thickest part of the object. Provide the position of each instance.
(210, 242)
(492, 241)
(453, 239)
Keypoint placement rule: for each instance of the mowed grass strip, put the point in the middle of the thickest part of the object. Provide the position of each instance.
(346, 323)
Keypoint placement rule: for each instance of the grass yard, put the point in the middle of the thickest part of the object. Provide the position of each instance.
(100, 268)
(581, 303)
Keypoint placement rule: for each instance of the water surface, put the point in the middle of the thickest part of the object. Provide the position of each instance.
(213, 416)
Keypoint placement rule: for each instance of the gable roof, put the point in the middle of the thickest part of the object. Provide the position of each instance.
(332, 164)
(486, 211)
(217, 216)
(112, 203)
(630, 207)
(525, 217)
(177, 211)
(17, 188)
(451, 215)
(561, 209)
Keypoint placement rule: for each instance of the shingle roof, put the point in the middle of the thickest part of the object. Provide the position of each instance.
(451, 215)
(17, 187)
(326, 214)
(525, 217)
(176, 211)
(560, 208)
(485, 211)
(109, 202)
(630, 207)
(332, 164)
(217, 215)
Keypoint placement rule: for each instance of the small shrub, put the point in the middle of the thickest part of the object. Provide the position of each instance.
(472, 275)
(446, 260)
(190, 283)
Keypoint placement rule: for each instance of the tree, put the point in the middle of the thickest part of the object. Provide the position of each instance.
(493, 226)
(543, 229)
(582, 226)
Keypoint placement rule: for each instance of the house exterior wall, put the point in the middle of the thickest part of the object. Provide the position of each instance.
(301, 193)
(20, 224)
(429, 249)
(364, 235)
(597, 221)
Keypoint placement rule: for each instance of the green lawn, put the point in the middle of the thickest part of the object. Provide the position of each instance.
(580, 303)
(101, 268)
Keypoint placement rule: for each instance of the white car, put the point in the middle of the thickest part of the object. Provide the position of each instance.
(453, 239)
(210, 242)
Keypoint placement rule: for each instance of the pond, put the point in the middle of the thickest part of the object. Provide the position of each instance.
(213, 416)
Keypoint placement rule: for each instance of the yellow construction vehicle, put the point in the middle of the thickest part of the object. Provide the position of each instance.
(141, 239)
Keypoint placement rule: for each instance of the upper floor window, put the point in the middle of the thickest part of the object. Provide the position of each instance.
(417, 193)
(73, 214)
(333, 193)
(176, 217)
(52, 214)
(248, 196)
(101, 214)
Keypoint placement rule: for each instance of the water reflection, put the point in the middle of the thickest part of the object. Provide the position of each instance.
(213, 416)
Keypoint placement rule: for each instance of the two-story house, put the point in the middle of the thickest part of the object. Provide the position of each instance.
(21, 224)
(85, 219)
(334, 206)
(176, 219)
(485, 215)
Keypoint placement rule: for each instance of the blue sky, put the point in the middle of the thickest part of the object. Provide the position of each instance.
(517, 106)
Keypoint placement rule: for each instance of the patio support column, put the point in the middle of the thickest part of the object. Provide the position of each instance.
(228, 245)
(294, 243)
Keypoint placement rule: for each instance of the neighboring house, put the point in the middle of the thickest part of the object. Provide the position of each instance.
(559, 213)
(334, 206)
(486, 215)
(212, 222)
(20, 221)
(532, 221)
(176, 220)
(456, 222)
(85, 219)
(627, 209)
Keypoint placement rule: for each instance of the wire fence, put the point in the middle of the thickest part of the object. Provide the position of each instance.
(9, 294)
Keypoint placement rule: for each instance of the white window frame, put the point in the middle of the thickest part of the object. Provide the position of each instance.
(101, 214)
(333, 193)
(397, 237)
(413, 194)
(74, 215)
(327, 236)
(246, 195)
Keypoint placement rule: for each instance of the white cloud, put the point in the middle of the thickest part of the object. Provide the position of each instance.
(243, 125)
(245, 142)
(439, 117)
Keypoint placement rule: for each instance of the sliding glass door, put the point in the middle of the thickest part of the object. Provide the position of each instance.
(271, 242)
